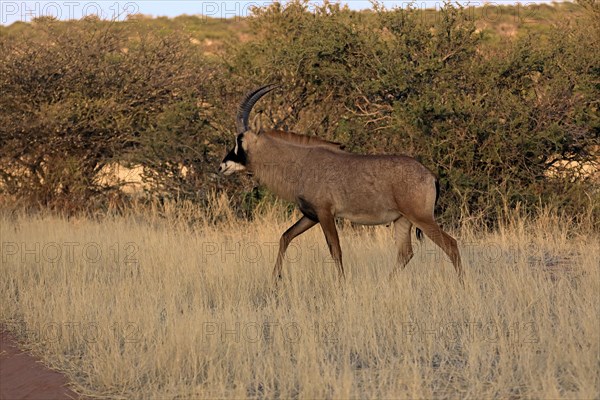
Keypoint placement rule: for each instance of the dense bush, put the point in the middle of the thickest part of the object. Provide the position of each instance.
(497, 121)
(80, 96)
(491, 122)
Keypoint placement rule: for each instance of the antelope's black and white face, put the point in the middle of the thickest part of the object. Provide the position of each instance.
(236, 159)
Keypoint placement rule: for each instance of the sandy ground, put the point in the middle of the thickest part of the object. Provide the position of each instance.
(22, 376)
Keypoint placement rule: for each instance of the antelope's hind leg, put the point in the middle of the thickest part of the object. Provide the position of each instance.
(298, 228)
(446, 242)
(402, 230)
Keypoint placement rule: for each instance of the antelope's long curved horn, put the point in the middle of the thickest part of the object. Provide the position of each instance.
(247, 104)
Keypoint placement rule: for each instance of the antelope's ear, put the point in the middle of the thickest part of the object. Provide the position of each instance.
(256, 124)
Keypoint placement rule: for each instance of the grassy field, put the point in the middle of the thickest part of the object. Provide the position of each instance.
(143, 306)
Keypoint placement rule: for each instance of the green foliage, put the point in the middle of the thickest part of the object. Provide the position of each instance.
(77, 98)
(503, 121)
(491, 123)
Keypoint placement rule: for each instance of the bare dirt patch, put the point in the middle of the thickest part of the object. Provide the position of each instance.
(22, 376)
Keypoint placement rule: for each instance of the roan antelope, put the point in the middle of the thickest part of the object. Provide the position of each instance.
(327, 182)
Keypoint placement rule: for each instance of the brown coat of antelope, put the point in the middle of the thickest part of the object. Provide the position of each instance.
(327, 182)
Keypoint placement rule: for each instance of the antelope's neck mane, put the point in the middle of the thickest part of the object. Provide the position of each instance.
(303, 140)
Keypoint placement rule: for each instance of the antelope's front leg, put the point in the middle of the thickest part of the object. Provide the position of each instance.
(298, 228)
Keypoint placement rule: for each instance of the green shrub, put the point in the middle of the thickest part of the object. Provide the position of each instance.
(493, 123)
(79, 96)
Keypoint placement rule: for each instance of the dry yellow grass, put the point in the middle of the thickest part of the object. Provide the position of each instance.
(148, 307)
